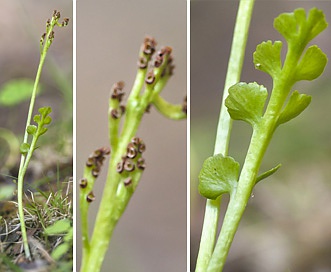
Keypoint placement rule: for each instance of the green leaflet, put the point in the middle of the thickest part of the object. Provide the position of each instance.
(31, 129)
(311, 65)
(24, 148)
(267, 58)
(42, 119)
(297, 28)
(267, 173)
(296, 104)
(44, 111)
(246, 102)
(219, 175)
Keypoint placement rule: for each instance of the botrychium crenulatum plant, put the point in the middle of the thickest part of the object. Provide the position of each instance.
(126, 163)
(42, 120)
(265, 112)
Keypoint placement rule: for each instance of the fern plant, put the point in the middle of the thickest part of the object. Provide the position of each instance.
(42, 120)
(263, 111)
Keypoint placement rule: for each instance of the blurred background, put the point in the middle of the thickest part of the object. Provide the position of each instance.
(151, 235)
(21, 25)
(286, 226)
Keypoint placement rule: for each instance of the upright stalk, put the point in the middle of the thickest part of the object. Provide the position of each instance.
(23, 166)
(28, 149)
(209, 230)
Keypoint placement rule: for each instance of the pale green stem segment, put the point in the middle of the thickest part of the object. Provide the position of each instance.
(25, 159)
(262, 134)
(169, 110)
(113, 125)
(209, 230)
(83, 203)
(115, 194)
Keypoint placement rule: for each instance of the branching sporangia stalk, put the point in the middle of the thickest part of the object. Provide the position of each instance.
(126, 163)
(42, 119)
(221, 174)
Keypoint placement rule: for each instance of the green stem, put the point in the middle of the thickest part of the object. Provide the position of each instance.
(84, 206)
(209, 232)
(235, 64)
(108, 213)
(138, 83)
(239, 198)
(169, 110)
(113, 124)
(25, 160)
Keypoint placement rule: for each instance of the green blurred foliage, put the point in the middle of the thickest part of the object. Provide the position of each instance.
(15, 91)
